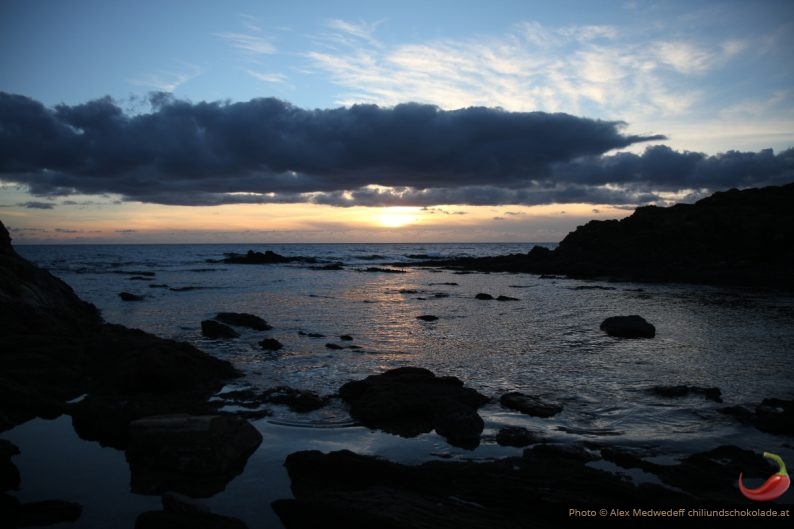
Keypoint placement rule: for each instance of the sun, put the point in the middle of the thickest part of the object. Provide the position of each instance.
(395, 217)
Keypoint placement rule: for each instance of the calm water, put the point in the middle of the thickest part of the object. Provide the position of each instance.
(547, 343)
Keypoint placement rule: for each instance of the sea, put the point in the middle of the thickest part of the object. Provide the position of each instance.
(546, 342)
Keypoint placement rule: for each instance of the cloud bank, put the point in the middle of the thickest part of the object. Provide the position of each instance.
(267, 150)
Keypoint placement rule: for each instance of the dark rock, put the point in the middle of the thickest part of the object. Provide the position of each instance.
(300, 401)
(682, 391)
(47, 512)
(186, 520)
(9, 474)
(213, 329)
(190, 454)
(311, 334)
(140, 278)
(517, 436)
(774, 416)
(333, 346)
(506, 298)
(408, 401)
(427, 317)
(628, 327)
(733, 237)
(126, 296)
(253, 257)
(483, 296)
(184, 289)
(346, 337)
(241, 319)
(531, 491)
(529, 404)
(158, 285)
(270, 344)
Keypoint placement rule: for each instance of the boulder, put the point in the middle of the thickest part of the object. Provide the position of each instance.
(213, 329)
(270, 344)
(9, 474)
(529, 404)
(241, 319)
(196, 455)
(628, 327)
(483, 296)
(408, 401)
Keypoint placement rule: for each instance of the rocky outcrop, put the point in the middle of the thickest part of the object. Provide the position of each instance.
(733, 237)
(55, 347)
(408, 401)
(628, 327)
(774, 416)
(269, 257)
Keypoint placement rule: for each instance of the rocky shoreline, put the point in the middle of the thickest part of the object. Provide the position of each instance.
(151, 398)
(737, 237)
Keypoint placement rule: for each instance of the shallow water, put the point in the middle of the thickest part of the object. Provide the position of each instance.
(547, 343)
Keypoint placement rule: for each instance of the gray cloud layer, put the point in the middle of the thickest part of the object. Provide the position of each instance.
(267, 150)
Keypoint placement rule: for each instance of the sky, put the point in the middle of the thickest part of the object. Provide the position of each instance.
(359, 121)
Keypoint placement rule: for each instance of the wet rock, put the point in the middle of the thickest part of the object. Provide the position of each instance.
(333, 346)
(332, 266)
(628, 327)
(241, 319)
(408, 401)
(311, 334)
(682, 390)
(175, 502)
(529, 404)
(483, 296)
(517, 436)
(186, 520)
(126, 296)
(506, 298)
(270, 344)
(190, 454)
(530, 491)
(427, 317)
(297, 400)
(216, 330)
(774, 416)
(346, 337)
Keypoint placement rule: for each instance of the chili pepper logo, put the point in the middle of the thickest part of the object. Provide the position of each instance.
(774, 487)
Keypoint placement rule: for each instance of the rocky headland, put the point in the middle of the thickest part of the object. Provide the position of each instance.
(737, 237)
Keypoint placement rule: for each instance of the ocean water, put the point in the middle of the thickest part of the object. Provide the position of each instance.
(546, 343)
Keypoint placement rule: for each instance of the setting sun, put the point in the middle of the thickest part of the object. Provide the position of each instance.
(396, 217)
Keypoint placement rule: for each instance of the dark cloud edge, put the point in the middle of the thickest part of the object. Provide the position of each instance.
(269, 151)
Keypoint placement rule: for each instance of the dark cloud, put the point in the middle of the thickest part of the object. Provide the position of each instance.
(268, 151)
(126, 231)
(37, 205)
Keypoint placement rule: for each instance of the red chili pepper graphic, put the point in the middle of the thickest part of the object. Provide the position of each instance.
(774, 487)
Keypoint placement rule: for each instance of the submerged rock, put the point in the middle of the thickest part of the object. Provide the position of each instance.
(126, 296)
(297, 400)
(483, 296)
(529, 404)
(506, 298)
(213, 329)
(408, 401)
(427, 317)
(774, 416)
(628, 327)
(682, 391)
(242, 319)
